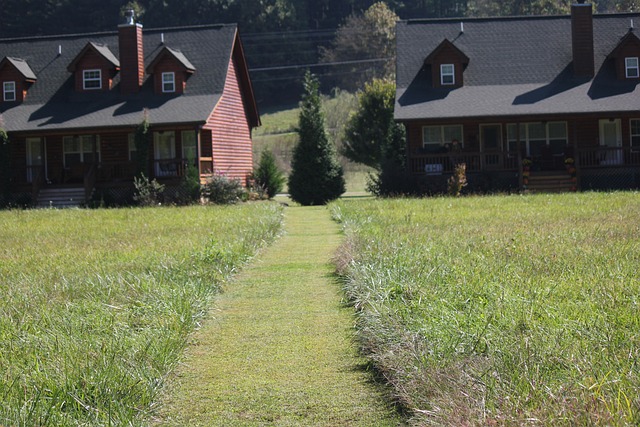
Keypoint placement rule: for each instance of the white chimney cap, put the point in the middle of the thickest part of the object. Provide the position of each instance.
(130, 15)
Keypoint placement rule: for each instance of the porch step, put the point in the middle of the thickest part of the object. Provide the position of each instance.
(61, 197)
(550, 182)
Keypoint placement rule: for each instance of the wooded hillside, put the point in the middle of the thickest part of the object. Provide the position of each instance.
(282, 38)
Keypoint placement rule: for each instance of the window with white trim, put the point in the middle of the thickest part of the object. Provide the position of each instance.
(9, 91)
(536, 136)
(91, 79)
(434, 138)
(632, 69)
(168, 82)
(133, 150)
(189, 148)
(79, 149)
(635, 134)
(447, 74)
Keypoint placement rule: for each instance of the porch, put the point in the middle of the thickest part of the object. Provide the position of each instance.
(598, 167)
(40, 184)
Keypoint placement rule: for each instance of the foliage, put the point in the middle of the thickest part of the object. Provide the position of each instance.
(147, 193)
(5, 167)
(190, 185)
(222, 190)
(371, 134)
(316, 176)
(390, 181)
(142, 139)
(458, 180)
(96, 305)
(516, 8)
(369, 37)
(495, 310)
(267, 175)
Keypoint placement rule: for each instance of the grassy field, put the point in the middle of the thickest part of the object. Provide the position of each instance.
(95, 306)
(278, 134)
(518, 310)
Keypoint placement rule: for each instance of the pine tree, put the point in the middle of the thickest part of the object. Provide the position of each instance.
(267, 175)
(316, 176)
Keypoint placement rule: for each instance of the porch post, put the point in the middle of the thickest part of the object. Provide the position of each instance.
(576, 154)
(519, 146)
(199, 151)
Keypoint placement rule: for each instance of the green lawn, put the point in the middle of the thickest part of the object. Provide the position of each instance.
(506, 310)
(96, 305)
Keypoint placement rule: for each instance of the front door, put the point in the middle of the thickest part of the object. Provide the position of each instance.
(491, 140)
(35, 158)
(165, 153)
(611, 139)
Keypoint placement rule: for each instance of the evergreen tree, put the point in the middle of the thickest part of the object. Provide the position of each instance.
(316, 176)
(267, 175)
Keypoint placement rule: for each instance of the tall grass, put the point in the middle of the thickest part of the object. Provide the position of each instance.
(95, 306)
(501, 310)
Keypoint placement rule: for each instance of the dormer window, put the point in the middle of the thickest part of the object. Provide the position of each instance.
(170, 70)
(632, 70)
(447, 74)
(91, 79)
(9, 91)
(447, 64)
(168, 82)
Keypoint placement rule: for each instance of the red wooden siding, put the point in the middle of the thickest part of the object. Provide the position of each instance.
(230, 131)
(10, 74)
(167, 65)
(91, 60)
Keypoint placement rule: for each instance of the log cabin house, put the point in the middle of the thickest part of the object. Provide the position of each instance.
(540, 103)
(71, 104)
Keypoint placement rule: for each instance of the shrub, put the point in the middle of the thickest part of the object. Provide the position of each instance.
(458, 180)
(222, 190)
(267, 175)
(190, 186)
(148, 193)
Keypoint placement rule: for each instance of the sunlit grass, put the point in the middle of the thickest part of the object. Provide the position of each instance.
(96, 305)
(501, 310)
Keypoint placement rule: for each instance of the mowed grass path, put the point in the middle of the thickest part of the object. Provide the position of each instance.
(278, 348)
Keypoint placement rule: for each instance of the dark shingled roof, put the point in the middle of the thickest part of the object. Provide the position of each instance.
(52, 102)
(517, 66)
(22, 66)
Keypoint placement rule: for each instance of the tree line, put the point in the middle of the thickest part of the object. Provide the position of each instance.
(282, 38)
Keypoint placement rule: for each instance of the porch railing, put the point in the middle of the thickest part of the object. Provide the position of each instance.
(169, 168)
(436, 164)
(601, 157)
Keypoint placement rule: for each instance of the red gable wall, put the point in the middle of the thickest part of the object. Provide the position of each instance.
(231, 133)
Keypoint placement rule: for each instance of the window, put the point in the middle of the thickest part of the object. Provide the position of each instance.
(168, 82)
(635, 134)
(447, 74)
(92, 79)
(434, 138)
(132, 147)
(189, 148)
(536, 136)
(79, 149)
(631, 67)
(9, 90)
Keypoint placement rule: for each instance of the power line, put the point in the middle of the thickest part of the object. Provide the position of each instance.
(294, 67)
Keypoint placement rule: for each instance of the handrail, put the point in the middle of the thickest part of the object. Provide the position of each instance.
(36, 183)
(89, 181)
(438, 163)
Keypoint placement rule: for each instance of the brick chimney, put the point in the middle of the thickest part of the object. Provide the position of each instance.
(131, 55)
(582, 39)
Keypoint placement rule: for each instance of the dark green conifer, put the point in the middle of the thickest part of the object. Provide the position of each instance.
(316, 175)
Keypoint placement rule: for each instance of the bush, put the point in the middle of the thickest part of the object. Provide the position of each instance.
(147, 193)
(458, 180)
(190, 186)
(268, 176)
(222, 190)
